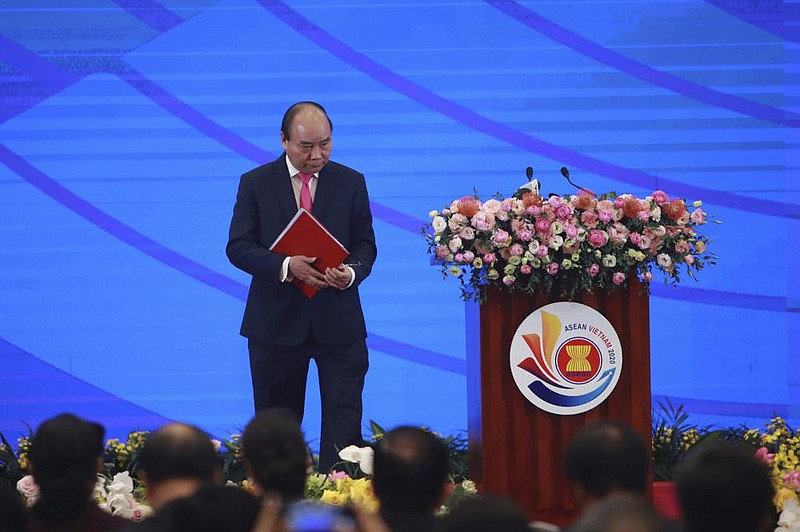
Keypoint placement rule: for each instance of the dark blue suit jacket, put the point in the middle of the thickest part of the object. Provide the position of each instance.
(277, 312)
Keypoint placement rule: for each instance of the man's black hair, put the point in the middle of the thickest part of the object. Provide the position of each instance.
(276, 451)
(410, 467)
(607, 456)
(722, 487)
(64, 454)
(291, 113)
(178, 451)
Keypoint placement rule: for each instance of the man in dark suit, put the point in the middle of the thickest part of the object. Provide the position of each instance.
(284, 328)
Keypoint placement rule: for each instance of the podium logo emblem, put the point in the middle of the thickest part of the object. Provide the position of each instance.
(566, 358)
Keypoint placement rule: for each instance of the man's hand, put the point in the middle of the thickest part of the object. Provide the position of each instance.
(338, 277)
(301, 268)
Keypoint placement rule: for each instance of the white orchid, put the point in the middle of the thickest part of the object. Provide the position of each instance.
(362, 456)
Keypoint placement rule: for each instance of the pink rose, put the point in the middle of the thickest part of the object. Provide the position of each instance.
(137, 514)
(765, 456)
(660, 197)
(605, 216)
(28, 488)
(500, 236)
(525, 235)
(542, 251)
(483, 221)
(517, 250)
(792, 479)
(647, 276)
(589, 219)
(644, 215)
(593, 270)
(598, 238)
(467, 233)
(552, 268)
(618, 278)
(635, 238)
(619, 202)
(469, 256)
(563, 211)
(682, 246)
(689, 259)
(508, 280)
(525, 268)
(542, 225)
(533, 210)
(489, 258)
(459, 257)
(698, 217)
(571, 231)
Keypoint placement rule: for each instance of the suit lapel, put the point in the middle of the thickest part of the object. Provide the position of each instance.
(326, 187)
(282, 187)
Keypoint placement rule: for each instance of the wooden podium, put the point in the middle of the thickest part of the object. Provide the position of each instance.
(516, 449)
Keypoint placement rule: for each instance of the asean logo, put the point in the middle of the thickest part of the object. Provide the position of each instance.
(566, 358)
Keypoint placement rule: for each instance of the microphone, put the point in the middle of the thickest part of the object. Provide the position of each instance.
(531, 186)
(565, 173)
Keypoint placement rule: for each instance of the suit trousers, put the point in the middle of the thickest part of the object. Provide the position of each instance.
(279, 375)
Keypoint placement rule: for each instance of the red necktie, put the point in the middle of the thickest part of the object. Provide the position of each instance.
(305, 192)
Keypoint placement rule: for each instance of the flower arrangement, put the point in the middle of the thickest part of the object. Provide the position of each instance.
(778, 446)
(572, 243)
(115, 495)
(781, 452)
(119, 491)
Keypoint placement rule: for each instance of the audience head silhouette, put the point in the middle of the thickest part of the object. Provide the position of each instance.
(606, 459)
(65, 458)
(620, 515)
(410, 470)
(276, 454)
(212, 509)
(722, 487)
(477, 514)
(175, 461)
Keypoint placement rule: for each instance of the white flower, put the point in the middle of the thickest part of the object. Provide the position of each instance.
(557, 227)
(359, 455)
(609, 261)
(492, 206)
(555, 242)
(664, 260)
(217, 444)
(655, 214)
(790, 516)
(439, 224)
(121, 484)
(455, 244)
(433, 214)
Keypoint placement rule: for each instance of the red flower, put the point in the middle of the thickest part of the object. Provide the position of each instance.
(468, 206)
(674, 210)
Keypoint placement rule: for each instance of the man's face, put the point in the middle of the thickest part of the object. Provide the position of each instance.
(309, 143)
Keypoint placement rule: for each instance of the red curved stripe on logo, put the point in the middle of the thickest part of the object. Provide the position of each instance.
(535, 345)
(530, 366)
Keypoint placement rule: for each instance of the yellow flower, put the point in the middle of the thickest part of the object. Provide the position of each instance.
(361, 494)
(333, 497)
(782, 496)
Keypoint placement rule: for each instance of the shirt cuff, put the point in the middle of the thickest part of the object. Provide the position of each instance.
(285, 276)
(352, 278)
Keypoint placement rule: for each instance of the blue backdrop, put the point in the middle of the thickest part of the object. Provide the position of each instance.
(125, 124)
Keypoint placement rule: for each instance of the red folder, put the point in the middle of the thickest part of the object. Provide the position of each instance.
(304, 235)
